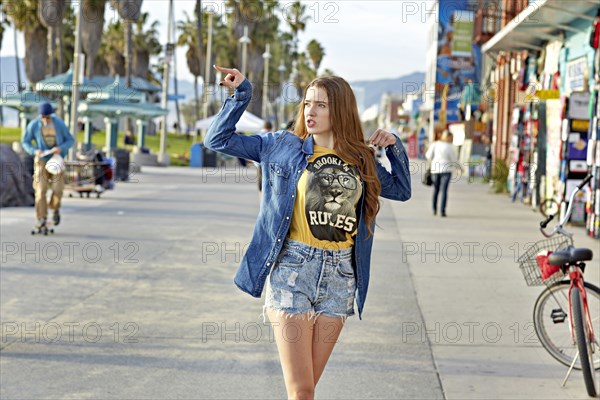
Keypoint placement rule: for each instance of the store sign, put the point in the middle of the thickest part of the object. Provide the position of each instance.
(580, 125)
(479, 127)
(462, 41)
(579, 103)
(458, 57)
(547, 94)
(576, 73)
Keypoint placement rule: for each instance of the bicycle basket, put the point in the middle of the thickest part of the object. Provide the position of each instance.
(531, 262)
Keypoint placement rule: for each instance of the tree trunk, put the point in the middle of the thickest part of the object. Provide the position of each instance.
(91, 32)
(100, 67)
(116, 64)
(59, 46)
(36, 53)
(17, 61)
(197, 105)
(141, 63)
(51, 51)
(128, 51)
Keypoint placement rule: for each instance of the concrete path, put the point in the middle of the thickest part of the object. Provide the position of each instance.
(133, 298)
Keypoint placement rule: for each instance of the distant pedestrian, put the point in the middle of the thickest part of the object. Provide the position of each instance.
(443, 159)
(312, 242)
(488, 156)
(128, 139)
(47, 133)
(520, 186)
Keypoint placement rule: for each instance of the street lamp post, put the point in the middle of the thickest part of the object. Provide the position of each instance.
(293, 76)
(77, 67)
(245, 41)
(281, 70)
(207, 65)
(266, 56)
(163, 157)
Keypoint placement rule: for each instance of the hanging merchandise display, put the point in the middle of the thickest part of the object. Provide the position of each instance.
(593, 161)
(574, 152)
(554, 188)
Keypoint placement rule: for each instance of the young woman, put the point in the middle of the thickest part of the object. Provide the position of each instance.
(314, 233)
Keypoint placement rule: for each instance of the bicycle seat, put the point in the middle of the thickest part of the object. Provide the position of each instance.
(570, 255)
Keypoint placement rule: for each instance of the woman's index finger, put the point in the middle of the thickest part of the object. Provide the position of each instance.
(223, 69)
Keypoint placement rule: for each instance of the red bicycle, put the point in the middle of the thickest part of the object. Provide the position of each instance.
(547, 262)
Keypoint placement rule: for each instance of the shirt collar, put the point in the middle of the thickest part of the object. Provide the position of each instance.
(308, 146)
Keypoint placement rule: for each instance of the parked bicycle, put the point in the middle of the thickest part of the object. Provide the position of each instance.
(567, 311)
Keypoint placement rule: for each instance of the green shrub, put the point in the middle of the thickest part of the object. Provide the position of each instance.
(500, 176)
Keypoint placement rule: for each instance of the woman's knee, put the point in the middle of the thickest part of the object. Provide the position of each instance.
(302, 393)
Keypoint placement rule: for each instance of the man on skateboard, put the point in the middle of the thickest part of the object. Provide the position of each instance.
(45, 136)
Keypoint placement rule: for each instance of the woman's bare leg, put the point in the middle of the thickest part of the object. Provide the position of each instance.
(326, 333)
(294, 338)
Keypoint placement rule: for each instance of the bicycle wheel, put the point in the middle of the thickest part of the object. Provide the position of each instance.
(551, 322)
(584, 345)
(549, 207)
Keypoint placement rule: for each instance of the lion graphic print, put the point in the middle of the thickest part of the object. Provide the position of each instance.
(328, 194)
(330, 198)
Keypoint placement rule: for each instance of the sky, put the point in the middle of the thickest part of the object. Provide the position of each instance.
(363, 39)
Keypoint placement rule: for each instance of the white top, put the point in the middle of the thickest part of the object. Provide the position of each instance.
(442, 157)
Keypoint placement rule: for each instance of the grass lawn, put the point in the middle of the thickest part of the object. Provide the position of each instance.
(178, 146)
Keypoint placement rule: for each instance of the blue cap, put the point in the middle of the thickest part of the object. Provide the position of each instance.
(45, 109)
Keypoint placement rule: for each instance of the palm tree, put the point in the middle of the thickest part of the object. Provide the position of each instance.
(92, 26)
(67, 40)
(305, 72)
(51, 14)
(3, 22)
(111, 49)
(146, 44)
(261, 30)
(25, 19)
(316, 52)
(189, 37)
(129, 11)
(297, 23)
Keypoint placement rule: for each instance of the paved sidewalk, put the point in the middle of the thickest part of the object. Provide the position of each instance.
(133, 298)
(475, 303)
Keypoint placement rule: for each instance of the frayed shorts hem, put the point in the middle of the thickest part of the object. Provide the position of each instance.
(302, 315)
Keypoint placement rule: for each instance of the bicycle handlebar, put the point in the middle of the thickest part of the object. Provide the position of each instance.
(559, 227)
(545, 222)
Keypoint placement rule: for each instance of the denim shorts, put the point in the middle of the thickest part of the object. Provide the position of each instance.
(310, 281)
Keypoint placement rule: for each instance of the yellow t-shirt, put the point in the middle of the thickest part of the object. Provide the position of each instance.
(326, 200)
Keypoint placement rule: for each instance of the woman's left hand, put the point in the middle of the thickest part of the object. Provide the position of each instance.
(382, 138)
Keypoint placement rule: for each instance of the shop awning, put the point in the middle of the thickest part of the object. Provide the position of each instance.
(539, 23)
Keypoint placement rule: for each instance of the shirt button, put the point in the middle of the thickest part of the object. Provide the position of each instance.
(279, 240)
(287, 217)
(292, 196)
(268, 264)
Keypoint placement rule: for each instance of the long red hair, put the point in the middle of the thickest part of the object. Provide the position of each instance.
(349, 140)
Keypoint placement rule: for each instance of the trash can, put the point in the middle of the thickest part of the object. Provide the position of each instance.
(209, 158)
(122, 160)
(201, 156)
(196, 155)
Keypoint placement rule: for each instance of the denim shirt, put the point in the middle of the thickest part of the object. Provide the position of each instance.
(283, 157)
(64, 139)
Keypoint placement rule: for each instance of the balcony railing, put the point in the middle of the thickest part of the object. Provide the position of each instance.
(493, 15)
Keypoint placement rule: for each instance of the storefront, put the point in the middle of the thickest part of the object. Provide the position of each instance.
(546, 111)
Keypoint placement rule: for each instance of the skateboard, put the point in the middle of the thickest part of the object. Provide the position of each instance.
(43, 230)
